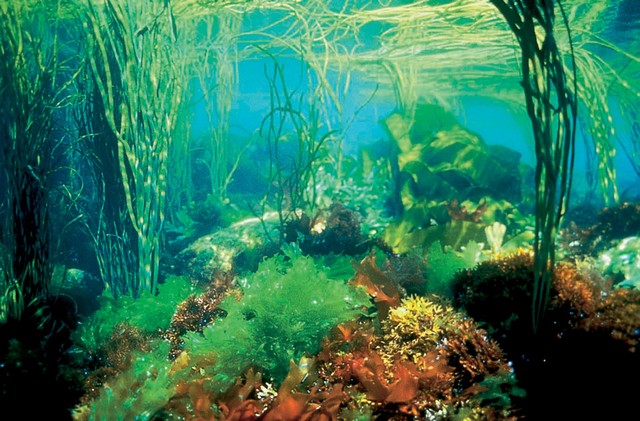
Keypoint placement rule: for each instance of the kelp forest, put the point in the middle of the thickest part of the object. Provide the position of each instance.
(319, 210)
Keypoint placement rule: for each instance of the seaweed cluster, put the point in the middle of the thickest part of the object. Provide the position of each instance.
(278, 347)
(194, 314)
(586, 323)
(427, 359)
(335, 230)
(588, 231)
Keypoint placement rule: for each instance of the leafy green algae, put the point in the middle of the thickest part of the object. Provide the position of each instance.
(287, 306)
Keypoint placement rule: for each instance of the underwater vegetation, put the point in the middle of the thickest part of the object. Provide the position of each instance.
(288, 210)
(585, 325)
(323, 354)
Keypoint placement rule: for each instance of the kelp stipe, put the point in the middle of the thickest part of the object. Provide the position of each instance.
(552, 107)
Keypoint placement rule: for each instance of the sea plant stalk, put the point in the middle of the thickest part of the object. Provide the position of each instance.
(550, 95)
(31, 92)
(106, 212)
(218, 59)
(135, 64)
(293, 174)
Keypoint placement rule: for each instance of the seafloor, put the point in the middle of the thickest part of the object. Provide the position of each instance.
(422, 336)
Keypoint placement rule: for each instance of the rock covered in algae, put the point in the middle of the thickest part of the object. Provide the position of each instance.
(240, 244)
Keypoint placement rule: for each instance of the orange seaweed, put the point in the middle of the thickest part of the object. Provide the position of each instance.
(383, 290)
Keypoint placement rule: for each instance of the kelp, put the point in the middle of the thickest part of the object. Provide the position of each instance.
(552, 106)
(439, 50)
(442, 50)
(296, 144)
(36, 75)
(34, 78)
(437, 159)
(106, 226)
(135, 63)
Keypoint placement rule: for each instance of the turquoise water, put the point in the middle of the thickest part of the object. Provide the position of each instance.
(317, 210)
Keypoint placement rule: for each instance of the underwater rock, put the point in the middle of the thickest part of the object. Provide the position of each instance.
(80, 286)
(240, 245)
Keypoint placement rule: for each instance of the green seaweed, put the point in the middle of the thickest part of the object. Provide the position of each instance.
(147, 312)
(442, 265)
(139, 392)
(621, 262)
(288, 305)
(438, 159)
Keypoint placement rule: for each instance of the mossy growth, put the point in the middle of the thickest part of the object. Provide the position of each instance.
(287, 306)
(497, 292)
(149, 312)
